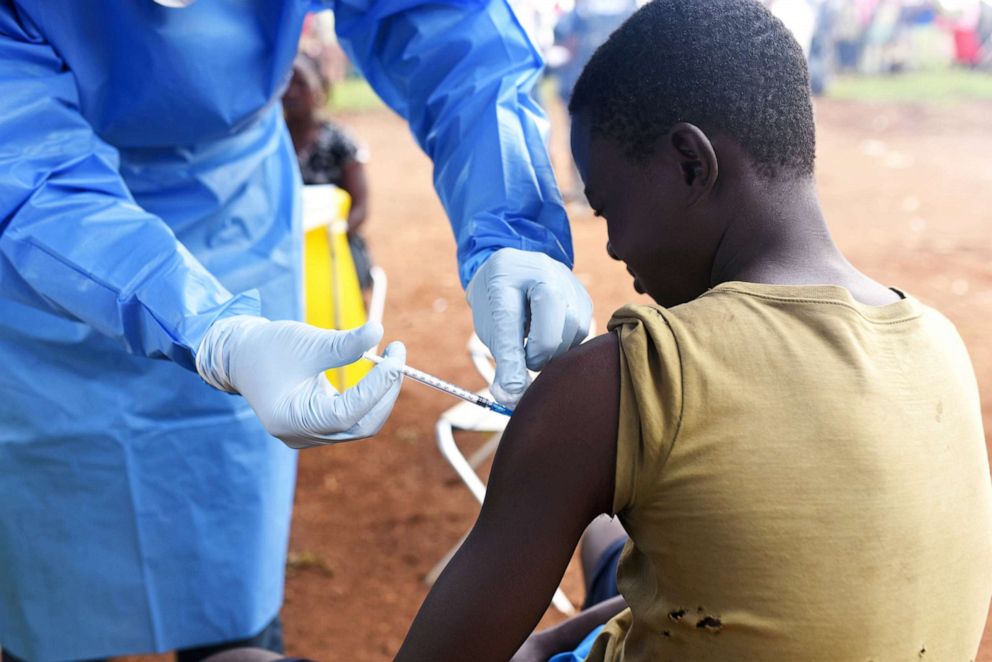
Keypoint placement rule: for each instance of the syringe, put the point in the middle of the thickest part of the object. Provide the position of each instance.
(447, 387)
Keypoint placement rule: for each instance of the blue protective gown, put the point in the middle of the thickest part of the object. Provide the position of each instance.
(148, 187)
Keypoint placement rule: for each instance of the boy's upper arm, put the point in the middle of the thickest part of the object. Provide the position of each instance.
(553, 473)
(562, 437)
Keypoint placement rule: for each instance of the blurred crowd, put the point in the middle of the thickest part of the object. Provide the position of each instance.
(888, 36)
(848, 36)
(870, 37)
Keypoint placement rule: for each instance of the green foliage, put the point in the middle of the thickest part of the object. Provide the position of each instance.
(943, 87)
(353, 95)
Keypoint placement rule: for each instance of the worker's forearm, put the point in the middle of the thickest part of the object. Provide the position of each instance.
(472, 114)
(72, 240)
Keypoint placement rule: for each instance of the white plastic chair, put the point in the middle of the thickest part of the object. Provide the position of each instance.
(470, 418)
(377, 299)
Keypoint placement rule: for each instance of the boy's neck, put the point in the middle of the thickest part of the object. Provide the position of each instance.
(778, 236)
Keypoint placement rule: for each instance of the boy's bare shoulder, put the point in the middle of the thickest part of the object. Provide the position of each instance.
(586, 376)
(587, 372)
(568, 418)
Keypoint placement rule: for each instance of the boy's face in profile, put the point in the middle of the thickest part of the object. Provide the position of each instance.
(652, 225)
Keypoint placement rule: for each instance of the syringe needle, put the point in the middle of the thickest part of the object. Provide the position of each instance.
(446, 387)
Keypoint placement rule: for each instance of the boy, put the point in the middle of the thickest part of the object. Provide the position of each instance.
(795, 450)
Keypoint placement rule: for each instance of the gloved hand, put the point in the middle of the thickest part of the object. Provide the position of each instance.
(514, 289)
(279, 369)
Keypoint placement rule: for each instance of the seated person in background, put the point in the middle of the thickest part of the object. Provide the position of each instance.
(795, 450)
(328, 154)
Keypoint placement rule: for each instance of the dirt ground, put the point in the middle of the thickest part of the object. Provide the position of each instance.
(908, 192)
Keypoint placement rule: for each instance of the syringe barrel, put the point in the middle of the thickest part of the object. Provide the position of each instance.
(446, 387)
(439, 384)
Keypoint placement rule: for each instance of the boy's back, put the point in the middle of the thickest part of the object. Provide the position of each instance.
(803, 477)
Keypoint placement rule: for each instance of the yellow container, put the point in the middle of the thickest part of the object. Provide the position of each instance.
(331, 293)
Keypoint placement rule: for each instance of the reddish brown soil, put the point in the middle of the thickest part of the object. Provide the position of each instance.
(908, 192)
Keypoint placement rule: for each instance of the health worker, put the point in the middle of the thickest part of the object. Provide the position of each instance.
(150, 241)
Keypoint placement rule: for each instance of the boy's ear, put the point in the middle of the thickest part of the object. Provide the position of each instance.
(696, 159)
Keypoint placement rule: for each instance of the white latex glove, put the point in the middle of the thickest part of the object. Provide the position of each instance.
(279, 369)
(514, 289)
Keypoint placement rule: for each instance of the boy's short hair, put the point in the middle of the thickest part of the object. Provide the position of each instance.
(726, 65)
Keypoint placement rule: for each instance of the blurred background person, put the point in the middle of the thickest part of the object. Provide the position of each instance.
(847, 32)
(328, 153)
(879, 54)
(580, 32)
(966, 18)
(319, 41)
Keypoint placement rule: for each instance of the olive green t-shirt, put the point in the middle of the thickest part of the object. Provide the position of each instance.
(804, 478)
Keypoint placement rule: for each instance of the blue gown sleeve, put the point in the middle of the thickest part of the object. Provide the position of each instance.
(460, 72)
(72, 239)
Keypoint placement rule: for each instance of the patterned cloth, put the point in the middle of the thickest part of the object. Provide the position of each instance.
(324, 163)
(335, 148)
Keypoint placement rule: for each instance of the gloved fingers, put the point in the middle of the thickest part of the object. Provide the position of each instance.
(559, 320)
(396, 350)
(572, 334)
(551, 325)
(291, 419)
(370, 424)
(581, 313)
(338, 348)
(300, 441)
(507, 310)
(339, 413)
